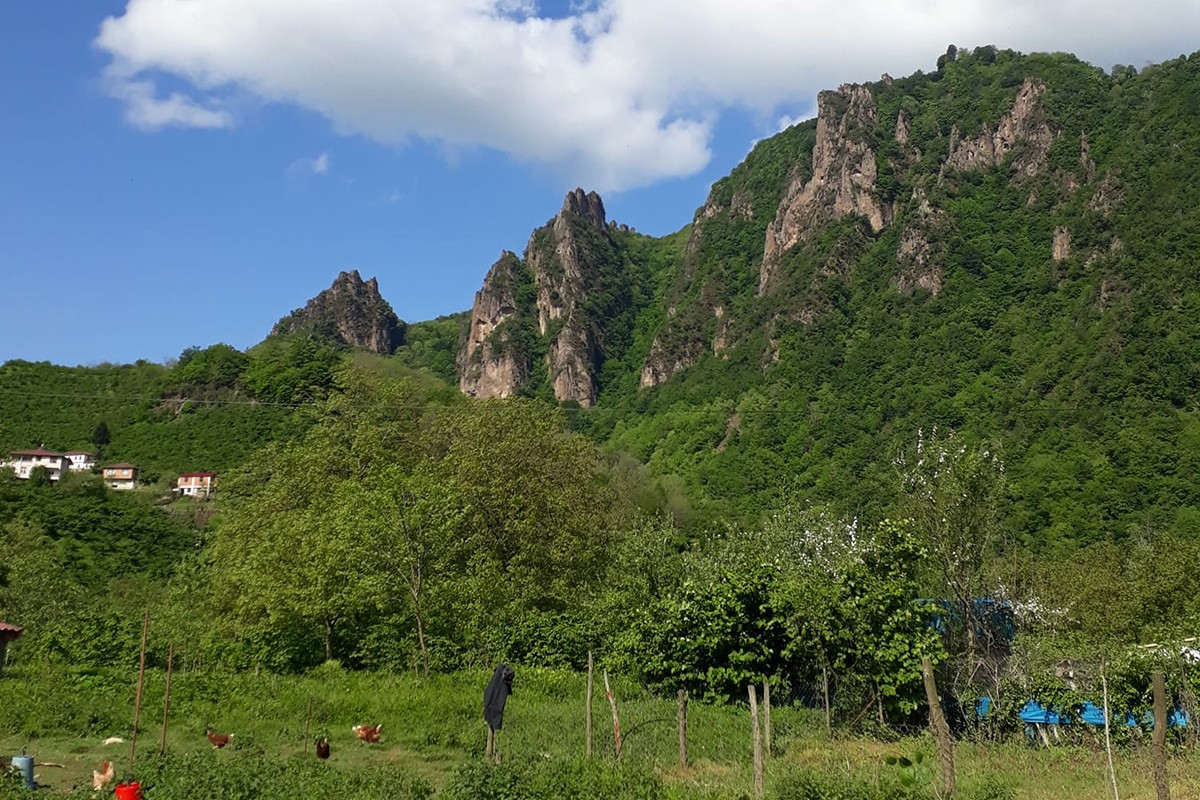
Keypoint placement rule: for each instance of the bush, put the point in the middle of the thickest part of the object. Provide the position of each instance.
(201, 776)
(558, 780)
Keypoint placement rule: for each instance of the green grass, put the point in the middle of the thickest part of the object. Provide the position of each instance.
(433, 739)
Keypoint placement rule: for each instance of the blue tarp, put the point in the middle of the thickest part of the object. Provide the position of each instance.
(1091, 714)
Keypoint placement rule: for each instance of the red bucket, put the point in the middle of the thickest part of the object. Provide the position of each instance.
(129, 791)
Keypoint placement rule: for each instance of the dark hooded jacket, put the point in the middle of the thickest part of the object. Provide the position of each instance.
(496, 695)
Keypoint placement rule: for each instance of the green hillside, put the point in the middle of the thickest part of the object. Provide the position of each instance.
(1078, 369)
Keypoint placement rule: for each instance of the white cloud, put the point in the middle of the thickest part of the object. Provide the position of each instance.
(303, 168)
(144, 110)
(617, 94)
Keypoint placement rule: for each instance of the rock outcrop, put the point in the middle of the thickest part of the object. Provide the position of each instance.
(1024, 122)
(565, 261)
(351, 312)
(918, 256)
(1061, 249)
(843, 178)
(567, 257)
(490, 363)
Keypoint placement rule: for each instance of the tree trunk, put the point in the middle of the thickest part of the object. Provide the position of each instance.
(328, 639)
(421, 642)
(1158, 748)
(941, 731)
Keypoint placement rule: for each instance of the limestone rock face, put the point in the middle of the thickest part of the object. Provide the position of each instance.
(350, 312)
(1025, 121)
(565, 262)
(918, 262)
(1061, 250)
(567, 257)
(488, 363)
(843, 178)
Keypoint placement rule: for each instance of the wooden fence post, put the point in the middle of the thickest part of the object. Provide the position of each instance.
(758, 756)
(682, 700)
(1112, 772)
(588, 706)
(307, 724)
(137, 704)
(766, 718)
(612, 702)
(1158, 747)
(162, 748)
(941, 731)
(828, 717)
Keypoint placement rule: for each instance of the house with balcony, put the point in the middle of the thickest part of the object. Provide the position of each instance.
(196, 484)
(80, 460)
(120, 476)
(24, 462)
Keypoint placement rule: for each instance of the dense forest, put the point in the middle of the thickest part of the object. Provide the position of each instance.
(984, 393)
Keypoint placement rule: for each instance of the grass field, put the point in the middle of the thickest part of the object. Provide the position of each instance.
(433, 733)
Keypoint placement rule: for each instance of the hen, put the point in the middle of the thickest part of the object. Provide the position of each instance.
(103, 777)
(218, 740)
(322, 748)
(367, 733)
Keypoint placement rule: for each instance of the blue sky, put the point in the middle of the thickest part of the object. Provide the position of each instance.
(192, 170)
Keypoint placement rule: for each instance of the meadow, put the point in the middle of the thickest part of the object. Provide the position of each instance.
(433, 743)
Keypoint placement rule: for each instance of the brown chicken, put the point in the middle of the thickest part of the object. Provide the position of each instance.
(104, 776)
(322, 748)
(367, 733)
(218, 740)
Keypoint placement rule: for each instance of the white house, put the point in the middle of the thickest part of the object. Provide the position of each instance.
(81, 460)
(23, 462)
(197, 484)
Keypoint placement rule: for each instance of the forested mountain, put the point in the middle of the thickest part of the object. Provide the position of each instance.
(1002, 247)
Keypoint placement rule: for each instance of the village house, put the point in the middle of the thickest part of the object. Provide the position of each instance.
(120, 476)
(23, 462)
(81, 460)
(196, 484)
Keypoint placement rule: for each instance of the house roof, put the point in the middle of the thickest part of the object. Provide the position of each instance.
(121, 466)
(8, 631)
(79, 453)
(197, 475)
(37, 453)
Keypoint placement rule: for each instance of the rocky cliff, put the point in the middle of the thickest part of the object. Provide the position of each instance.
(492, 362)
(351, 312)
(572, 266)
(842, 181)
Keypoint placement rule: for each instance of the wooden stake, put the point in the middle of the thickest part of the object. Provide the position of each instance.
(828, 718)
(766, 718)
(941, 731)
(137, 704)
(491, 743)
(1112, 773)
(587, 714)
(162, 747)
(682, 700)
(1158, 746)
(757, 742)
(307, 724)
(612, 702)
